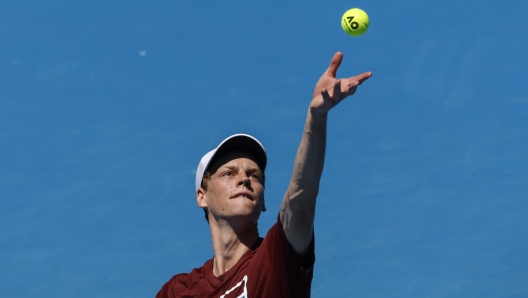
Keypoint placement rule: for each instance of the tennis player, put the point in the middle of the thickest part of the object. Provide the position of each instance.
(230, 188)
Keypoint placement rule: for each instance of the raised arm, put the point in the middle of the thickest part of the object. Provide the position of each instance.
(298, 206)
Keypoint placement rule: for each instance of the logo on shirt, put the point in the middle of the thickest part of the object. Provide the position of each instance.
(238, 291)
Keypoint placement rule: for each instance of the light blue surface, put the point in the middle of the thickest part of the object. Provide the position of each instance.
(107, 107)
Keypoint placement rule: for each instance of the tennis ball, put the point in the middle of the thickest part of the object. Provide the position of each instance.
(355, 22)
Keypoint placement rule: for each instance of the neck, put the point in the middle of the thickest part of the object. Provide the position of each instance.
(230, 245)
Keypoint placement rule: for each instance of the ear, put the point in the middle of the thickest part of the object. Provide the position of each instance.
(200, 198)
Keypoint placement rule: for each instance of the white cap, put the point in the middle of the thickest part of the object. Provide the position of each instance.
(236, 142)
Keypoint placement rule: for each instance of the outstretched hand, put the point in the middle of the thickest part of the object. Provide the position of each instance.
(330, 91)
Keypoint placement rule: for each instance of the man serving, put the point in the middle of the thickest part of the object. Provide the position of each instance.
(230, 188)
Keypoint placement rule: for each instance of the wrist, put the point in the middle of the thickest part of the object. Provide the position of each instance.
(316, 119)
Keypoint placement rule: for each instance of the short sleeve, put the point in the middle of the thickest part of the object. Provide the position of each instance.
(298, 269)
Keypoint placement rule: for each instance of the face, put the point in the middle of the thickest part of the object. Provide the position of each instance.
(235, 190)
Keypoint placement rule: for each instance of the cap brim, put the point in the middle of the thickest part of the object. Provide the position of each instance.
(237, 142)
(244, 143)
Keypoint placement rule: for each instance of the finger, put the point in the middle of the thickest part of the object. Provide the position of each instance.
(337, 89)
(357, 80)
(351, 91)
(326, 96)
(334, 64)
(363, 77)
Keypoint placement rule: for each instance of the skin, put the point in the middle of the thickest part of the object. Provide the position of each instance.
(297, 211)
(234, 199)
(234, 220)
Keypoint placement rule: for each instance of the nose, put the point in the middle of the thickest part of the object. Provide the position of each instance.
(244, 181)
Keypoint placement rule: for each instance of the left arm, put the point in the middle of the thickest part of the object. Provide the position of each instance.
(297, 212)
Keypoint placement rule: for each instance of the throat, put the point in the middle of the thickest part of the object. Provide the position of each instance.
(227, 257)
(231, 244)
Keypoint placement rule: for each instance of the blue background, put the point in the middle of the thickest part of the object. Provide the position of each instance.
(106, 108)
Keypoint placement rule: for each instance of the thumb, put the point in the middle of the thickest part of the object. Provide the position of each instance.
(334, 64)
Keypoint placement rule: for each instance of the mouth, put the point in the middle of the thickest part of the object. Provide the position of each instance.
(243, 194)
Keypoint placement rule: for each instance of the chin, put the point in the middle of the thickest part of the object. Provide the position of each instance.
(247, 215)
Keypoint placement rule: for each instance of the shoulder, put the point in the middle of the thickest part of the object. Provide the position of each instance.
(182, 284)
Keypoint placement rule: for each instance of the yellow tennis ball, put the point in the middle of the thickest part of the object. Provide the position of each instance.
(355, 22)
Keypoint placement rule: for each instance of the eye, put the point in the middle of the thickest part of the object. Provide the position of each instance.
(228, 173)
(255, 176)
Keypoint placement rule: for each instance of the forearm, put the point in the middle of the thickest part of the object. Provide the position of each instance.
(308, 165)
(297, 212)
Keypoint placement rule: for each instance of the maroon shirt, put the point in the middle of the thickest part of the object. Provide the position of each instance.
(269, 269)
